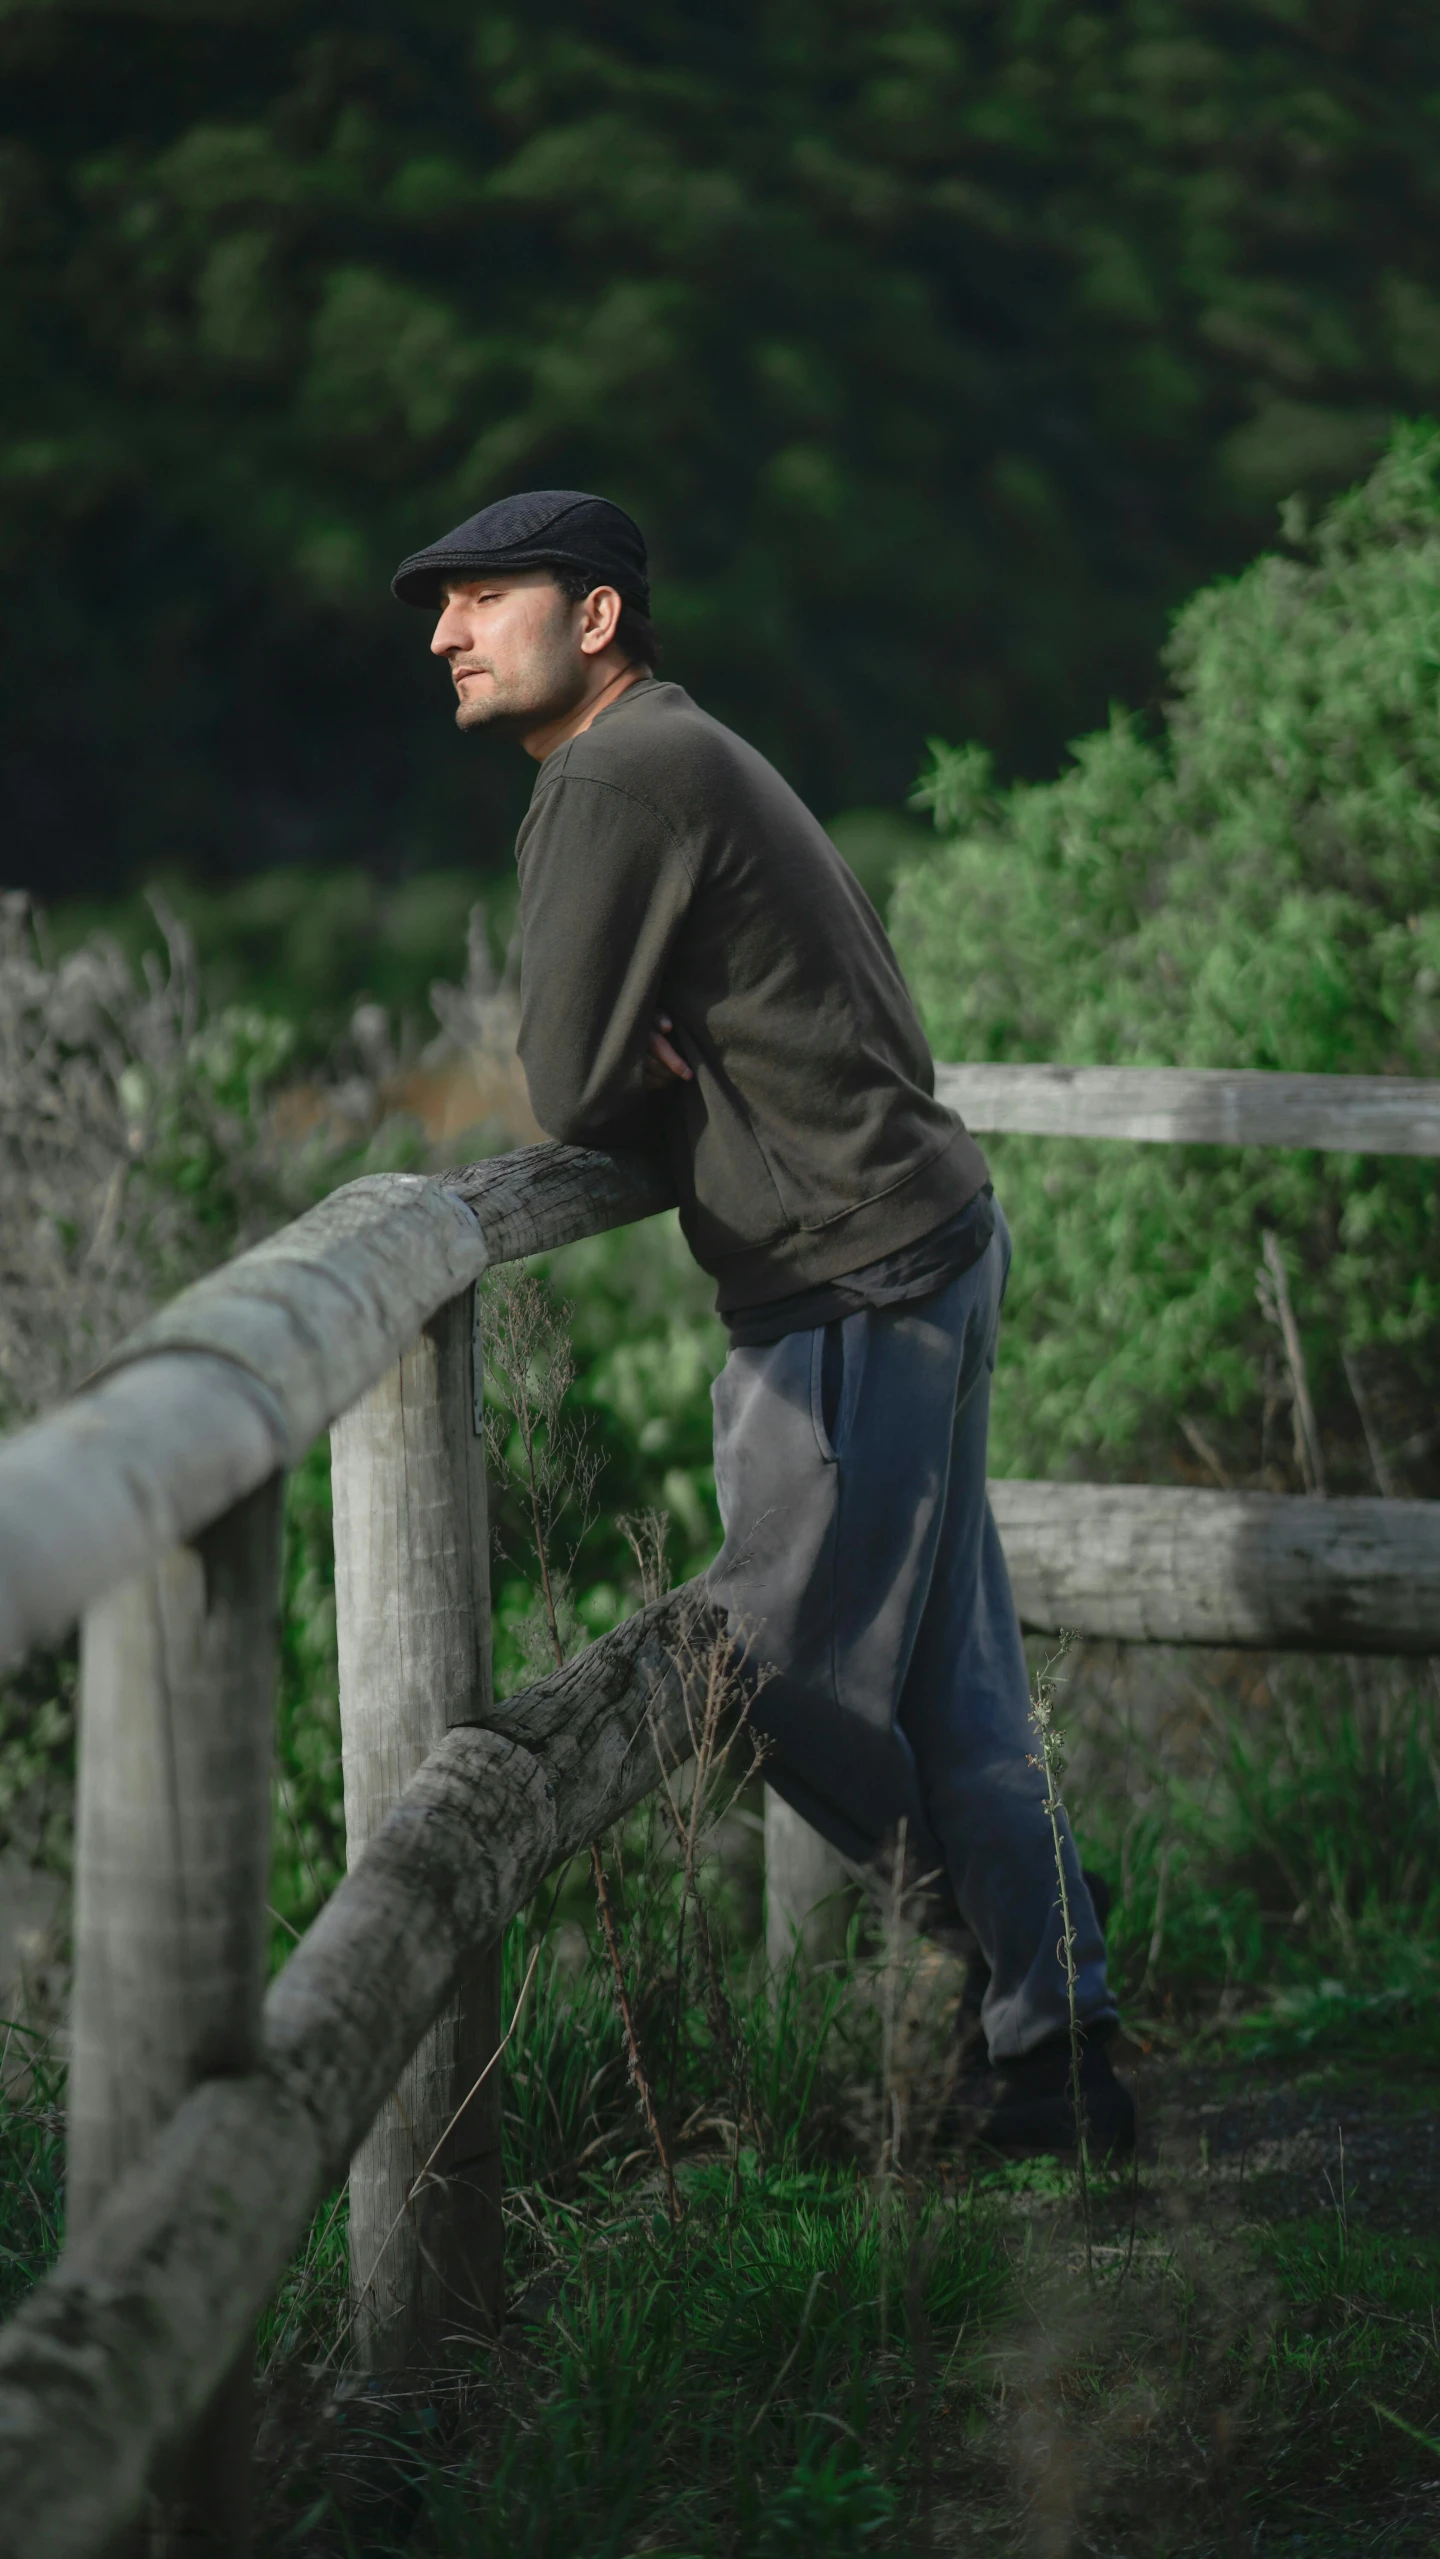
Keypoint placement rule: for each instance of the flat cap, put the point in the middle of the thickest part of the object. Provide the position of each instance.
(540, 529)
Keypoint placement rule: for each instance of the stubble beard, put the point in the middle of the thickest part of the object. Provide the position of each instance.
(493, 710)
(550, 686)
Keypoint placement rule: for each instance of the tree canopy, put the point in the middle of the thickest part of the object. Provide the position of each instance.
(942, 346)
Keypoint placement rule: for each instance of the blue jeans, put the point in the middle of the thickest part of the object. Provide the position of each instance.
(866, 1589)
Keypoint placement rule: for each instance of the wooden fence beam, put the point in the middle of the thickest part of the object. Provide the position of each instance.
(199, 1409)
(114, 2357)
(320, 1310)
(412, 1600)
(178, 1674)
(235, 1378)
(102, 1487)
(544, 1196)
(1165, 1564)
(242, 1372)
(218, 1390)
(1199, 1106)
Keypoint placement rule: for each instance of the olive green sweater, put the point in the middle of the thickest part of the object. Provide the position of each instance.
(665, 866)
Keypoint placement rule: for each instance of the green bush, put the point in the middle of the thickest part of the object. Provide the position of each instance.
(1251, 886)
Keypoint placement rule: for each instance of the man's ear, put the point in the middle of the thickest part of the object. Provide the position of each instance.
(600, 619)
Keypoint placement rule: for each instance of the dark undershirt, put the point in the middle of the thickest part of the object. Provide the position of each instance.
(916, 1270)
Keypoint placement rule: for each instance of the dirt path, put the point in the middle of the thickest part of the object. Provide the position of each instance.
(1283, 2143)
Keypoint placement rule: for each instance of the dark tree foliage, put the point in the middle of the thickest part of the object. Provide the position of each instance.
(942, 345)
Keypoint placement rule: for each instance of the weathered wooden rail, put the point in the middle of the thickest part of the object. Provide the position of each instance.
(1199, 1106)
(208, 2117)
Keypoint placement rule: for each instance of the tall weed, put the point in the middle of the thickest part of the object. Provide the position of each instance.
(1279, 1874)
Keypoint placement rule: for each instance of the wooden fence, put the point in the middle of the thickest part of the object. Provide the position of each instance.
(208, 2116)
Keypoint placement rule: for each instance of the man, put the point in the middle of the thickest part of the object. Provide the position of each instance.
(702, 973)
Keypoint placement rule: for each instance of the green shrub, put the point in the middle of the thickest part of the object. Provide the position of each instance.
(1251, 886)
(32, 2161)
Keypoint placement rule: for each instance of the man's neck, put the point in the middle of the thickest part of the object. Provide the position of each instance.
(544, 740)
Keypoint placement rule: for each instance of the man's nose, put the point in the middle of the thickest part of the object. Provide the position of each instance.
(446, 639)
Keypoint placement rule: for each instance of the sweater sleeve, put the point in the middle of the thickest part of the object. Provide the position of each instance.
(604, 889)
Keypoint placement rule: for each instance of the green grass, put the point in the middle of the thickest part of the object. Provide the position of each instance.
(1348, 2398)
(820, 2361)
(747, 2381)
(817, 2362)
(307, 2314)
(32, 2160)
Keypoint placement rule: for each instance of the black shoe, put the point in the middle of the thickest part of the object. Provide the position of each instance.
(1028, 2106)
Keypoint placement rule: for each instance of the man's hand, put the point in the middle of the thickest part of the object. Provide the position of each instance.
(664, 1064)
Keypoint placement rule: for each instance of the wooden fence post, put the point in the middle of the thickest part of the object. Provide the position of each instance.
(412, 1591)
(808, 1890)
(178, 1673)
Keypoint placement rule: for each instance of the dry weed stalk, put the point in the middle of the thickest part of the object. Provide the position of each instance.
(424, 2174)
(1272, 1288)
(95, 1219)
(887, 2164)
(137, 1148)
(1379, 1456)
(528, 1344)
(1051, 1759)
(891, 2110)
(717, 1713)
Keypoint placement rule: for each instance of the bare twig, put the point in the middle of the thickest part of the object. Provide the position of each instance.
(723, 1717)
(474, 2091)
(1272, 1287)
(1157, 1931)
(890, 2137)
(422, 2174)
(1135, 2205)
(633, 2052)
(887, 2164)
(1052, 1761)
(1206, 1451)
(1384, 1472)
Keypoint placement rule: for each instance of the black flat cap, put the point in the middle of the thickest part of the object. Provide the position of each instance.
(541, 529)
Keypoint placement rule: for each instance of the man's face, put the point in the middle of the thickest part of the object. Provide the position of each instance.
(516, 648)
